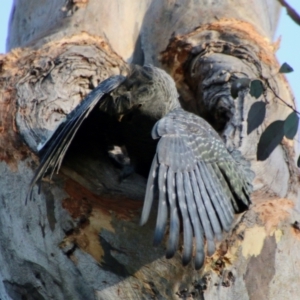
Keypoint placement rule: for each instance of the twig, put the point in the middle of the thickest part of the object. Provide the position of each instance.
(277, 96)
(290, 11)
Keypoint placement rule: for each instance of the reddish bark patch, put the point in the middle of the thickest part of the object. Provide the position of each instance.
(82, 201)
(94, 213)
(273, 212)
(78, 209)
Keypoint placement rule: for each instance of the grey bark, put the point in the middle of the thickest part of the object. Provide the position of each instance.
(80, 238)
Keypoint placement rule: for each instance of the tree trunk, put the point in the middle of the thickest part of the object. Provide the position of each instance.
(80, 238)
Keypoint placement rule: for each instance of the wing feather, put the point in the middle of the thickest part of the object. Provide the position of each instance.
(222, 196)
(213, 192)
(194, 218)
(207, 203)
(162, 214)
(204, 218)
(236, 184)
(187, 227)
(225, 186)
(174, 217)
(151, 188)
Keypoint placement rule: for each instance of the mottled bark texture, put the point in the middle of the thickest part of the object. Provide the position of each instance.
(80, 239)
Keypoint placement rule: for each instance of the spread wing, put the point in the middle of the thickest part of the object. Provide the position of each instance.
(198, 183)
(58, 144)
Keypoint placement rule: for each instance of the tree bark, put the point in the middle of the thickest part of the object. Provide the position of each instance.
(80, 238)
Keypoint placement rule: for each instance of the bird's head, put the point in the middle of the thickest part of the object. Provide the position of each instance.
(149, 89)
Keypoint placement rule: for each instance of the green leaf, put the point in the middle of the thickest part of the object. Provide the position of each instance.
(256, 88)
(291, 125)
(286, 68)
(270, 139)
(298, 162)
(256, 115)
(239, 85)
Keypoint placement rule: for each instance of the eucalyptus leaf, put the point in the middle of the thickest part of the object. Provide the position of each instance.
(270, 139)
(291, 125)
(256, 88)
(286, 68)
(256, 115)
